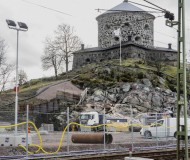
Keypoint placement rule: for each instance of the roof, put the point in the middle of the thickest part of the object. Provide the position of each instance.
(50, 92)
(99, 49)
(124, 6)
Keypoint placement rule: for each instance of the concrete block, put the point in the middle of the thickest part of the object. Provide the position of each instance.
(137, 158)
(14, 140)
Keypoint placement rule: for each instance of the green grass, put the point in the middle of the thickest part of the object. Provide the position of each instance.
(94, 73)
(170, 70)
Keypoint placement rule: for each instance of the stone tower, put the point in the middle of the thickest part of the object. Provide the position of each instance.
(137, 38)
(135, 24)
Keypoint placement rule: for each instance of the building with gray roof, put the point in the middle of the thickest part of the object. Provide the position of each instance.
(136, 30)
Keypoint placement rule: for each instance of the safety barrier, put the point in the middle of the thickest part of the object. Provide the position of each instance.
(40, 148)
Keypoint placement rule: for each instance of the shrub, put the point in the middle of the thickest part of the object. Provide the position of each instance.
(140, 75)
(136, 66)
(127, 77)
(35, 81)
(155, 81)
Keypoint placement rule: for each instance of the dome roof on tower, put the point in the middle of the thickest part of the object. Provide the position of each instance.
(124, 6)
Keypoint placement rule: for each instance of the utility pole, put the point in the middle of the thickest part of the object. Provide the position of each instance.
(182, 127)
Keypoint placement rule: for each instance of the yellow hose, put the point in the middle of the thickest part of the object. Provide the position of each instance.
(63, 133)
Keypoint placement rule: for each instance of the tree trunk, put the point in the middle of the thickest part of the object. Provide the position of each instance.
(67, 62)
(55, 70)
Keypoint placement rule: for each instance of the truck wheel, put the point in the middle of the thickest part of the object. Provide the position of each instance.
(147, 135)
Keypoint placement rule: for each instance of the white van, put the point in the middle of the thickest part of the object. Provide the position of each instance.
(165, 127)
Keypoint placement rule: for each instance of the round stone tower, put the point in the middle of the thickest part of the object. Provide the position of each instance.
(136, 26)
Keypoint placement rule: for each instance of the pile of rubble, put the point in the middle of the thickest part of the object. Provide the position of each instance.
(142, 96)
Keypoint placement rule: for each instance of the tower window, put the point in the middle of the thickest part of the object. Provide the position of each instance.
(146, 26)
(107, 26)
(129, 38)
(127, 24)
(137, 38)
(116, 38)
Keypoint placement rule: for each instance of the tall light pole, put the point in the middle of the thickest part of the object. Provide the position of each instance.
(21, 27)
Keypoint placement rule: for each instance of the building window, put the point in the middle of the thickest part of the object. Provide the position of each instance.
(87, 60)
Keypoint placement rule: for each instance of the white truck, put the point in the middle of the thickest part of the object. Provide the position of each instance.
(90, 119)
(93, 118)
(165, 127)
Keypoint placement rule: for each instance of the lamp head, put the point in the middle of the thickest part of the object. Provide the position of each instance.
(23, 26)
(11, 23)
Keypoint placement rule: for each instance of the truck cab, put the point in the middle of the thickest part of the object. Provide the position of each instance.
(89, 118)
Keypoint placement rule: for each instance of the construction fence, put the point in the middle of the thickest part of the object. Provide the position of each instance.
(137, 134)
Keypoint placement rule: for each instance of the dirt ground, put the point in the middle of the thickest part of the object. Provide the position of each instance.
(121, 141)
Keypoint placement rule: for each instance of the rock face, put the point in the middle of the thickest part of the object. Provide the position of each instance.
(141, 96)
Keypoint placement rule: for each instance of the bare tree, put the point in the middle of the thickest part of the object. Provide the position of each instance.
(5, 72)
(67, 42)
(5, 68)
(2, 52)
(59, 50)
(51, 59)
(22, 77)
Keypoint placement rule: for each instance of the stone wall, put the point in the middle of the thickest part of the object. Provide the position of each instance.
(135, 27)
(130, 51)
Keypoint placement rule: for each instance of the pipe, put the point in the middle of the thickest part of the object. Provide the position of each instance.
(92, 138)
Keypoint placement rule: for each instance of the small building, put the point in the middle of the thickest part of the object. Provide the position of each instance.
(136, 33)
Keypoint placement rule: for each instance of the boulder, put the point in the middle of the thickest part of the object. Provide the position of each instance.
(168, 92)
(126, 87)
(98, 98)
(143, 96)
(147, 82)
(136, 86)
(134, 100)
(112, 97)
(156, 100)
(131, 100)
(114, 90)
(146, 104)
(146, 89)
(98, 93)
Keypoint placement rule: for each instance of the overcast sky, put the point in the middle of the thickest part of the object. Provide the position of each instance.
(80, 14)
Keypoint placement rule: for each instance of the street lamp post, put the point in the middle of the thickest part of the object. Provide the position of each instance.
(21, 27)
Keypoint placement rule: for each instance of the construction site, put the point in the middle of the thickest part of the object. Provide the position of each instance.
(125, 99)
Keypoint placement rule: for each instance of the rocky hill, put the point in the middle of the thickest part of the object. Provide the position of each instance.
(134, 84)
